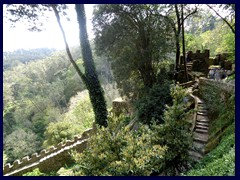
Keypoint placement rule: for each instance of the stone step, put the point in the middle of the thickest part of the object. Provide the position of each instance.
(200, 137)
(202, 110)
(195, 155)
(198, 146)
(201, 127)
(202, 113)
(202, 123)
(200, 117)
(195, 159)
(203, 120)
(201, 130)
(202, 107)
(199, 101)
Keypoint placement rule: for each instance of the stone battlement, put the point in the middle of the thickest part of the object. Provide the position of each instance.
(48, 159)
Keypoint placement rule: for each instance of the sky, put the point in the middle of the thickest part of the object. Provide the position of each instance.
(20, 38)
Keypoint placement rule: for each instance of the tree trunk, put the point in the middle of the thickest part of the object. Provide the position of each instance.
(177, 54)
(177, 34)
(183, 48)
(92, 81)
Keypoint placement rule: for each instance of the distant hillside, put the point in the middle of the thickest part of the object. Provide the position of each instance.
(11, 59)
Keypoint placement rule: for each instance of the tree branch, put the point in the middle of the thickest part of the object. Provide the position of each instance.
(66, 45)
(193, 12)
(229, 25)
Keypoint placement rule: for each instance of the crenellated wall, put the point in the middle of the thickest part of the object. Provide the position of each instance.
(200, 61)
(49, 159)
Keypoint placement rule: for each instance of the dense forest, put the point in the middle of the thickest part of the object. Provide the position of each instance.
(137, 54)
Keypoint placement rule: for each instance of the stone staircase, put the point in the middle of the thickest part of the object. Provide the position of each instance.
(200, 129)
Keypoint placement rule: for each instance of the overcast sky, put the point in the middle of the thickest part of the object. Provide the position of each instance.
(19, 37)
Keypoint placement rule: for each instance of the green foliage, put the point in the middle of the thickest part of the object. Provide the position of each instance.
(20, 143)
(136, 39)
(8, 118)
(174, 133)
(151, 107)
(79, 117)
(5, 158)
(117, 151)
(231, 77)
(224, 166)
(11, 59)
(38, 93)
(218, 40)
(35, 172)
(64, 172)
(34, 96)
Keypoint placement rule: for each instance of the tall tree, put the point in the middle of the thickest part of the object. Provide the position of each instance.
(177, 32)
(175, 18)
(183, 45)
(136, 39)
(92, 81)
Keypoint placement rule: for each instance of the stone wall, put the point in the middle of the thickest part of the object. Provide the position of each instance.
(198, 55)
(200, 61)
(224, 60)
(49, 159)
(120, 106)
(221, 92)
(225, 87)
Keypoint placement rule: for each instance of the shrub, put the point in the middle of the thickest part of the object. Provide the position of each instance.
(37, 172)
(117, 151)
(151, 107)
(160, 149)
(174, 134)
